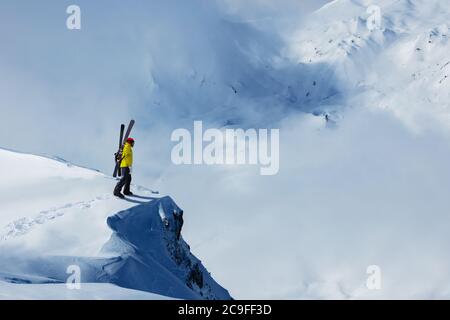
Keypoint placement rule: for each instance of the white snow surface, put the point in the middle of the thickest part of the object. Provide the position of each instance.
(87, 291)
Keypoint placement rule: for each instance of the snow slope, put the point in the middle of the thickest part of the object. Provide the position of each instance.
(55, 215)
(88, 291)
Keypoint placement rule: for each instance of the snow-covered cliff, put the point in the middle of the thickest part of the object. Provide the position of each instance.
(55, 216)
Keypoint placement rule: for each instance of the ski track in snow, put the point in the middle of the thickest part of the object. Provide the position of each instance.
(24, 225)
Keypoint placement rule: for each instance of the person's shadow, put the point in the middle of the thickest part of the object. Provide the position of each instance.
(134, 201)
(130, 199)
(142, 197)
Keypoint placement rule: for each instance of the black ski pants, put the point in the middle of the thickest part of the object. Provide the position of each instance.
(125, 181)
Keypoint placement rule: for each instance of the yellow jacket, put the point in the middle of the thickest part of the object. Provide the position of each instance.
(127, 156)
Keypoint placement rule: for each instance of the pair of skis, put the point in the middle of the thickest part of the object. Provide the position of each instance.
(122, 140)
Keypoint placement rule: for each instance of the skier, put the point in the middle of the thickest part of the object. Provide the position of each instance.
(125, 166)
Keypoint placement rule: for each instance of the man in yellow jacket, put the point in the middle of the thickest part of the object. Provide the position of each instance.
(126, 163)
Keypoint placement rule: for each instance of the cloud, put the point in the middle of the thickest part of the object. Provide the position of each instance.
(370, 191)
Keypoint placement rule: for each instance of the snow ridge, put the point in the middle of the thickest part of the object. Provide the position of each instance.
(148, 245)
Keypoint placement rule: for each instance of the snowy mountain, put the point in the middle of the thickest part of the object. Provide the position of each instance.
(331, 61)
(401, 65)
(56, 215)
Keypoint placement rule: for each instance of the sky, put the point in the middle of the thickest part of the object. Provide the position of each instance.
(346, 197)
(81, 85)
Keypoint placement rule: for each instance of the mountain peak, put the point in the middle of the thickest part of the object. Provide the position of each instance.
(148, 238)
